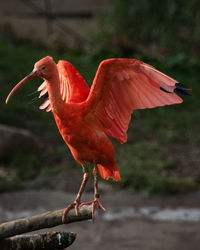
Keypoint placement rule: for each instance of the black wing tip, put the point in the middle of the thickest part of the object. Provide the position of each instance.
(33, 93)
(180, 90)
(181, 93)
(44, 97)
(164, 90)
(182, 87)
(33, 100)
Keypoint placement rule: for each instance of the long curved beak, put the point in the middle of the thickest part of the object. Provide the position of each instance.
(29, 77)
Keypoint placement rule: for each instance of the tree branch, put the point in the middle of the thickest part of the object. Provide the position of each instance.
(45, 241)
(45, 220)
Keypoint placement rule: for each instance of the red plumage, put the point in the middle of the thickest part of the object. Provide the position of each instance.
(120, 86)
(86, 117)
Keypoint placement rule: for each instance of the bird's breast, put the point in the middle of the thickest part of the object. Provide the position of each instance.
(86, 140)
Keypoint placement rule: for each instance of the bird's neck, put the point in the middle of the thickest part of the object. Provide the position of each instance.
(53, 86)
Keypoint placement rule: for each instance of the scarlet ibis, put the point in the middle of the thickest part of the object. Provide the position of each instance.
(87, 117)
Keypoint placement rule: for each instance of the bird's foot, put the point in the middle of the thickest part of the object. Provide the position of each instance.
(94, 203)
(74, 205)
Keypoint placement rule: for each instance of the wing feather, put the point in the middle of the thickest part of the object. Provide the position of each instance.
(123, 85)
(74, 89)
(45, 104)
(43, 91)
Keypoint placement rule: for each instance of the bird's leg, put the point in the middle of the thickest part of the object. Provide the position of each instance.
(96, 194)
(86, 176)
(77, 201)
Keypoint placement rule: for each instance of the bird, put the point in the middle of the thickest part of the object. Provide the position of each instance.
(88, 117)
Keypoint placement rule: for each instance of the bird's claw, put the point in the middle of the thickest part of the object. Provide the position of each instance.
(74, 205)
(95, 202)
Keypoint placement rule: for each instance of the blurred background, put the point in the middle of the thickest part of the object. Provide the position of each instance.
(160, 163)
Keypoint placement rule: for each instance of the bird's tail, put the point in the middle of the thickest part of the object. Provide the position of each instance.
(109, 171)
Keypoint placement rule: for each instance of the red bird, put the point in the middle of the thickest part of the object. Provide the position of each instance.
(87, 117)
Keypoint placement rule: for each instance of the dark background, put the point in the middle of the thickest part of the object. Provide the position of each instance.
(162, 154)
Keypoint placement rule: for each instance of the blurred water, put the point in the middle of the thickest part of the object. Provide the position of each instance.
(8, 215)
(155, 213)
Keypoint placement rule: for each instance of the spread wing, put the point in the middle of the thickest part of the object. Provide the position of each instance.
(123, 85)
(73, 87)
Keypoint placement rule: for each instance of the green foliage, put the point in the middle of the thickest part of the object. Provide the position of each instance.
(25, 164)
(145, 168)
(169, 25)
(8, 180)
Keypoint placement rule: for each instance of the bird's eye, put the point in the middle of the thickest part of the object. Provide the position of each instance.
(43, 67)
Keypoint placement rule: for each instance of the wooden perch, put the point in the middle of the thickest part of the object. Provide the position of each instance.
(45, 220)
(45, 241)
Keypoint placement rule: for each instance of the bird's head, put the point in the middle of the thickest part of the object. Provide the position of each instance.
(43, 69)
